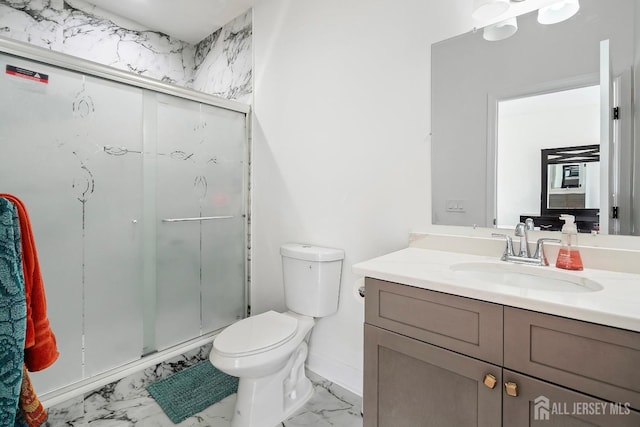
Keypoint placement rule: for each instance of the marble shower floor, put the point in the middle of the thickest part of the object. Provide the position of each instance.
(126, 403)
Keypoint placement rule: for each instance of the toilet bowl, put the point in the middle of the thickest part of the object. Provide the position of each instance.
(267, 352)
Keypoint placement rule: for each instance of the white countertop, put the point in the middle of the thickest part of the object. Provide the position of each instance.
(617, 304)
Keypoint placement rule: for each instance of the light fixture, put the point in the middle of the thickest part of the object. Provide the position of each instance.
(500, 30)
(558, 11)
(488, 9)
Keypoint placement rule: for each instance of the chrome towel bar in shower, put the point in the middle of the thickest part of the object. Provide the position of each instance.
(200, 218)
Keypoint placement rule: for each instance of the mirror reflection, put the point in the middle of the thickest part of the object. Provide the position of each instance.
(570, 184)
(572, 178)
(546, 128)
(490, 124)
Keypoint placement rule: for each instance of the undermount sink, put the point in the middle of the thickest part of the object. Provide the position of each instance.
(525, 276)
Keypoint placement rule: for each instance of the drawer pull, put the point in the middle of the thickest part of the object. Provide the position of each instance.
(490, 381)
(511, 388)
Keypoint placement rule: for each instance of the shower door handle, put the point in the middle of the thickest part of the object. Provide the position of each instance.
(200, 218)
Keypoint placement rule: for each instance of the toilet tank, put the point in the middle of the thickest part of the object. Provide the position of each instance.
(311, 278)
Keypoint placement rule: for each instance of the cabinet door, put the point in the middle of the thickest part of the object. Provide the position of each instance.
(409, 383)
(595, 359)
(460, 324)
(546, 405)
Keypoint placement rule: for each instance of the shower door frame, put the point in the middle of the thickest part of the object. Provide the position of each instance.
(71, 63)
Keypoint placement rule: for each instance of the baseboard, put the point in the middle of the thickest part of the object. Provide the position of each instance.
(337, 372)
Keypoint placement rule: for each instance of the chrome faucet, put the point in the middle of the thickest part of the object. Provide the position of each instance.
(524, 255)
(521, 232)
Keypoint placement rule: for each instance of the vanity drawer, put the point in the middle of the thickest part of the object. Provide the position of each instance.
(539, 403)
(460, 324)
(594, 359)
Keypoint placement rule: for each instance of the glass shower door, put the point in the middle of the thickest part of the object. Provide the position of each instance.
(70, 148)
(200, 231)
(137, 200)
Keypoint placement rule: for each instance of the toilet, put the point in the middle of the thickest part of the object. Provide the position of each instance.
(267, 352)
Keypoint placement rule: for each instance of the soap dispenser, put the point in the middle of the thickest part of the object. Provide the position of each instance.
(569, 255)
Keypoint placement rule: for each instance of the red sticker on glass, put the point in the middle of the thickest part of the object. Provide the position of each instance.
(27, 74)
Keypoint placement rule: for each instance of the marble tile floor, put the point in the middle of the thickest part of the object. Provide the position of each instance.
(126, 403)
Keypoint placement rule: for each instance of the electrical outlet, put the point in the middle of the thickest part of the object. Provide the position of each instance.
(455, 206)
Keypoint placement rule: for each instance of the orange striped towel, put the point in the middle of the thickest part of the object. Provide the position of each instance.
(32, 410)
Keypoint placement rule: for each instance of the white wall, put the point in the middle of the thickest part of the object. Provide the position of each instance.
(341, 148)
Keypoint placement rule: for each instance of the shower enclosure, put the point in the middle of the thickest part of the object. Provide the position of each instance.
(137, 193)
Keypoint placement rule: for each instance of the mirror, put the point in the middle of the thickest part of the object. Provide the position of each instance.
(472, 78)
(570, 182)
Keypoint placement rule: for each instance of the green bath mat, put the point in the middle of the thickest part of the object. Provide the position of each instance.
(191, 390)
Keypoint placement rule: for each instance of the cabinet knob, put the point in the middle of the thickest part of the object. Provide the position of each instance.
(511, 388)
(490, 381)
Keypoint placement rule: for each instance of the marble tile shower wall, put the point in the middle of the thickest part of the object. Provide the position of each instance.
(219, 65)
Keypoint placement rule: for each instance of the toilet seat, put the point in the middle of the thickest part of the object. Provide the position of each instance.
(256, 334)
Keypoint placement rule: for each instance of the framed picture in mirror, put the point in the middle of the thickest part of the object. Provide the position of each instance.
(570, 183)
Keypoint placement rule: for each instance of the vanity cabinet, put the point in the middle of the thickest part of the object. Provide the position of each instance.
(426, 357)
(408, 381)
(435, 359)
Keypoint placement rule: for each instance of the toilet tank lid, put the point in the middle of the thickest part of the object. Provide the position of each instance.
(310, 252)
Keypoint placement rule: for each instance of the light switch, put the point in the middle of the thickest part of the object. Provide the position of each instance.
(455, 206)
